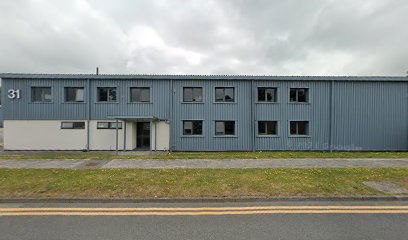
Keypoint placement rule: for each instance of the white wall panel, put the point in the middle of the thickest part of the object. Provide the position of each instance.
(42, 135)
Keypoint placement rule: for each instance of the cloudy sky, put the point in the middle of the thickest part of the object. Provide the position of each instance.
(272, 37)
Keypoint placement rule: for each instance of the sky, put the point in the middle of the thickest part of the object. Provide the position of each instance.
(254, 37)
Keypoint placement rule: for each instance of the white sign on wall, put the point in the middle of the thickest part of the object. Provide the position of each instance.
(13, 93)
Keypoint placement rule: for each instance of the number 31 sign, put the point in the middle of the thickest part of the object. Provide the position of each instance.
(13, 93)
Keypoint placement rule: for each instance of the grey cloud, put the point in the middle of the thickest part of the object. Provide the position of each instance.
(314, 37)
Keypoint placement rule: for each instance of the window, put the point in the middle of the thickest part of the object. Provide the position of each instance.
(299, 128)
(224, 94)
(267, 94)
(41, 94)
(193, 127)
(224, 128)
(140, 94)
(108, 125)
(299, 95)
(72, 125)
(106, 94)
(192, 94)
(74, 94)
(113, 125)
(267, 128)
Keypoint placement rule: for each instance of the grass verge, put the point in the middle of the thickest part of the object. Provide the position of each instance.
(139, 183)
(226, 155)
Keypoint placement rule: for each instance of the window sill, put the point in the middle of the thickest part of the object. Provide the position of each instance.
(41, 102)
(225, 102)
(225, 136)
(300, 103)
(192, 102)
(267, 136)
(139, 103)
(267, 102)
(192, 136)
(299, 136)
(73, 103)
(106, 102)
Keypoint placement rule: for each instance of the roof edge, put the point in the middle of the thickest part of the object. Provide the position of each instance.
(198, 77)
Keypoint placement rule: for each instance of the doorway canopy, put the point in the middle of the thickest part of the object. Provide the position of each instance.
(151, 119)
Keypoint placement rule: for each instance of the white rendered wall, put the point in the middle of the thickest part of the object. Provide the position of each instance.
(42, 135)
(48, 135)
(104, 139)
(163, 135)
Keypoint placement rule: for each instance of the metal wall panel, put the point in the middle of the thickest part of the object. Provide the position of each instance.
(209, 112)
(158, 107)
(370, 116)
(23, 108)
(316, 111)
(365, 115)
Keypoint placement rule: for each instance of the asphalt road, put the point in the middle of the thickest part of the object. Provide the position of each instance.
(254, 220)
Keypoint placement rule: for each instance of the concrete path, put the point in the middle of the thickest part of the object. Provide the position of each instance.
(207, 163)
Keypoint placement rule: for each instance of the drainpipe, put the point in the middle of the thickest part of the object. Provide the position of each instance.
(124, 135)
(252, 117)
(150, 134)
(331, 115)
(117, 137)
(88, 114)
(155, 136)
(171, 125)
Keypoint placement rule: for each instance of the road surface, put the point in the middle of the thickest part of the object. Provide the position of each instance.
(251, 220)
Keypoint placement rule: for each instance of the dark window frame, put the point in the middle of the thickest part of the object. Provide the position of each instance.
(224, 97)
(144, 88)
(192, 134)
(32, 100)
(82, 125)
(110, 125)
(297, 134)
(192, 97)
(266, 134)
(109, 90)
(307, 95)
(65, 95)
(275, 100)
(217, 134)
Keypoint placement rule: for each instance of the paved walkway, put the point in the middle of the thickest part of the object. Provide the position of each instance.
(207, 163)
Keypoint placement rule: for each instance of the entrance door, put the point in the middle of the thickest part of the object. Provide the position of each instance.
(143, 135)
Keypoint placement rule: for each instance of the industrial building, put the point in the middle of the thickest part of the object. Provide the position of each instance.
(204, 112)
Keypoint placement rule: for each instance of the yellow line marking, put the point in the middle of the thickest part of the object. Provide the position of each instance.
(201, 208)
(203, 213)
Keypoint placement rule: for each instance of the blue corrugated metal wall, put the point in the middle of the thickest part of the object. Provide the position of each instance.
(23, 108)
(356, 116)
(370, 116)
(239, 111)
(316, 111)
(160, 98)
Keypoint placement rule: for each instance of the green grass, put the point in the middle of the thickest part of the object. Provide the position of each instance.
(139, 183)
(229, 155)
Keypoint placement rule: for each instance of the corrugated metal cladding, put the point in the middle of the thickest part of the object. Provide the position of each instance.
(344, 113)
(316, 111)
